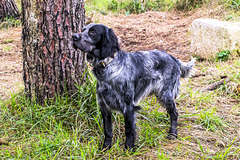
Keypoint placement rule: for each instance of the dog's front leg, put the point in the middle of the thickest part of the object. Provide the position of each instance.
(129, 117)
(107, 123)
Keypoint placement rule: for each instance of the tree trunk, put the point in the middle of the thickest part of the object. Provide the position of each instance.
(8, 8)
(51, 65)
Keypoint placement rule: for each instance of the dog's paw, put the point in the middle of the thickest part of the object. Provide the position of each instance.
(172, 136)
(130, 150)
(107, 144)
(104, 149)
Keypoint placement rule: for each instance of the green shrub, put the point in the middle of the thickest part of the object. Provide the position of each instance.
(187, 5)
(235, 4)
(113, 5)
(97, 5)
(139, 6)
(136, 7)
(223, 55)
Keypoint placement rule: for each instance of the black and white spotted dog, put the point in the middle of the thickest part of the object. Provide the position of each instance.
(123, 79)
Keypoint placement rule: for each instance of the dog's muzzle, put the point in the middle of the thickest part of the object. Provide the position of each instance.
(76, 37)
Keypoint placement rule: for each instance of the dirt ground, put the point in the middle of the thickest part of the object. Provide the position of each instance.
(168, 32)
(10, 62)
(152, 30)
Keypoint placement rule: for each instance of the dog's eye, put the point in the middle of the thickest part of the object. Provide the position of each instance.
(92, 32)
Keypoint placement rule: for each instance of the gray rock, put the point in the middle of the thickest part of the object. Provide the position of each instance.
(211, 36)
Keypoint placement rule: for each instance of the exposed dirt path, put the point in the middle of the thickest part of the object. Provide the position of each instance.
(169, 32)
(10, 62)
(152, 30)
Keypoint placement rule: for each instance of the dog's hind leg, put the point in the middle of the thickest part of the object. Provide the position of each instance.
(130, 133)
(172, 111)
(170, 105)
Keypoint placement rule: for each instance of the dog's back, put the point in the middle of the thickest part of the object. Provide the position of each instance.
(148, 72)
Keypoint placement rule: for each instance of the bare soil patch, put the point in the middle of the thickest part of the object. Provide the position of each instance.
(169, 32)
(10, 62)
(152, 30)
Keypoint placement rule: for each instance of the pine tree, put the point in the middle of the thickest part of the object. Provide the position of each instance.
(8, 8)
(51, 65)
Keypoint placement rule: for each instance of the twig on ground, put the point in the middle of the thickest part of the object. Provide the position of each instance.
(217, 84)
(3, 142)
(198, 75)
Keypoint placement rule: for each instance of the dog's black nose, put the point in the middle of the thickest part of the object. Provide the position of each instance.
(76, 37)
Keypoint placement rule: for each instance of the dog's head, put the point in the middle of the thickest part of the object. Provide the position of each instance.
(97, 40)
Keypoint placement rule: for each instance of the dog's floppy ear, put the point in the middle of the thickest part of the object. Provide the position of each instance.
(110, 44)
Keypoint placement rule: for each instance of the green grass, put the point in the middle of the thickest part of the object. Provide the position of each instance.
(8, 41)
(62, 128)
(96, 5)
(68, 128)
(210, 120)
(10, 22)
(7, 48)
(71, 127)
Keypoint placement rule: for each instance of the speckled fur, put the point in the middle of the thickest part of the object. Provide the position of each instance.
(129, 77)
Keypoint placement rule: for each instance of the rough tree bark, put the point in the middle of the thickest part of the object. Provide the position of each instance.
(51, 65)
(8, 8)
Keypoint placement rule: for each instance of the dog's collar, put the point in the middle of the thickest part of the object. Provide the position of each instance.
(107, 61)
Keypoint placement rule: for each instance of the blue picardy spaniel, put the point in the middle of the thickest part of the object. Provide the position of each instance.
(123, 79)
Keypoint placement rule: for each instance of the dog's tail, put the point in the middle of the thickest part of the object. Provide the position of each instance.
(186, 68)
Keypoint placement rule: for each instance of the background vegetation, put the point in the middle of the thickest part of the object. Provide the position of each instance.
(140, 6)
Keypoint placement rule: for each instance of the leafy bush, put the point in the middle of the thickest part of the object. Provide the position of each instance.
(113, 5)
(157, 5)
(139, 6)
(97, 5)
(235, 4)
(187, 5)
(134, 6)
(223, 55)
